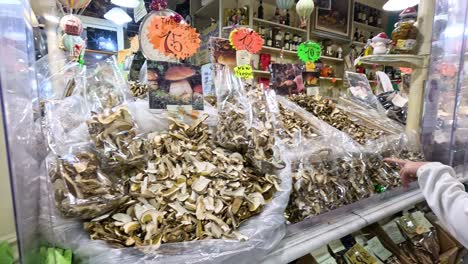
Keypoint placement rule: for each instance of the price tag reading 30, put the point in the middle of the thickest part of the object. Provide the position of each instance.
(172, 38)
(246, 39)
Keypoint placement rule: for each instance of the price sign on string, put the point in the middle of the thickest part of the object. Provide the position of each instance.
(246, 39)
(244, 72)
(309, 51)
(172, 38)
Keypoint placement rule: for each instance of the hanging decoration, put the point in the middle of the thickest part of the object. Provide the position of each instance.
(171, 38)
(304, 9)
(75, 4)
(309, 51)
(284, 4)
(246, 39)
(71, 25)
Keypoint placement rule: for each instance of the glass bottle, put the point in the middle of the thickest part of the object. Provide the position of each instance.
(379, 19)
(364, 15)
(356, 35)
(371, 17)
(287, 44)
(288, 19)
(269, 42)
(295, 42)
(277, 15)
(278, 39)
(260, 10)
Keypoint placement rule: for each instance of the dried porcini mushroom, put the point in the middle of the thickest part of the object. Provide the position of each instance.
(327, 110)
(139, 90)
(190, 190)
(114, 134)
(322, 186)
(262, 154)
(81, 189)
(293, 123)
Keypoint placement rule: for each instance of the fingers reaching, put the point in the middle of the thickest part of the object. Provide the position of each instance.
(396, 161)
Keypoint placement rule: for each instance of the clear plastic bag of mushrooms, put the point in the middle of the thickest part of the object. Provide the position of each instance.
(172, 194)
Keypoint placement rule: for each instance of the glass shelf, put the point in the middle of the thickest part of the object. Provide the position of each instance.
(398, 60)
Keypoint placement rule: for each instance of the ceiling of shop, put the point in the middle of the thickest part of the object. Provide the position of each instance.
(98, 8)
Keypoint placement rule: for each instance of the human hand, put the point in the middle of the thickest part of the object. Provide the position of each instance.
(408, 169)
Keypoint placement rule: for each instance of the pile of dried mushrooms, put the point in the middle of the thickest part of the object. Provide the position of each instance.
(327, 110)
(188, 188)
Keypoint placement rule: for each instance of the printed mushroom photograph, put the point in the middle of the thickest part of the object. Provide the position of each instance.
(175, 84)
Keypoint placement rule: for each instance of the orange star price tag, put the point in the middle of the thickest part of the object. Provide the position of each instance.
(246, 39)
(172, 38)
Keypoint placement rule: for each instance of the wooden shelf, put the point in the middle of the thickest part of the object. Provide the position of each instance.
(259, 72)
(331, 78)
(263, 21)
(208, 10)
(358, 43)
(376, 30)
(278, 51)
(330, 58)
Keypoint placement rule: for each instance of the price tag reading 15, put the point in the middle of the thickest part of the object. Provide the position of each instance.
(172, 38)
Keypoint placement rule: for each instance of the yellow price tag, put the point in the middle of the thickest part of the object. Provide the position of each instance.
(245, 72)
(310, 66)
(358, 255)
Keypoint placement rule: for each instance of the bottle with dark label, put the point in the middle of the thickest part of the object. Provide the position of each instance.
(260, 10)
(288, 19)
(356, 35)
(277, 15)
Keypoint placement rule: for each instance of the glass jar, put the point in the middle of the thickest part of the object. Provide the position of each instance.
(405, 33)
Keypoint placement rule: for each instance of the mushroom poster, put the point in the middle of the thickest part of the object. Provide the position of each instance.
(174, 84)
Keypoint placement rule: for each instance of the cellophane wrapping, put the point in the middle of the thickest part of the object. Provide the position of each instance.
(88, 174)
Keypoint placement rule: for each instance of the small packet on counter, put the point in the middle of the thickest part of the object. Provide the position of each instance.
(375, 246)
(359, 255)
(322, 256)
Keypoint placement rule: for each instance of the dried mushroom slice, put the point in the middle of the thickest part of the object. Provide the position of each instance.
(326, 110)
(139, 90)
(81, 189)
(293, 123)
(113, 132)
(263, 153)
(190, 190)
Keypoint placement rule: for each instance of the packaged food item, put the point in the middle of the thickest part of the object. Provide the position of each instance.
(422, 237)
(405, 33)
(80, 188)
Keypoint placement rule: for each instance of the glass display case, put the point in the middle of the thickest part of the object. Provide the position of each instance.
(445, 121)
(17, 90)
